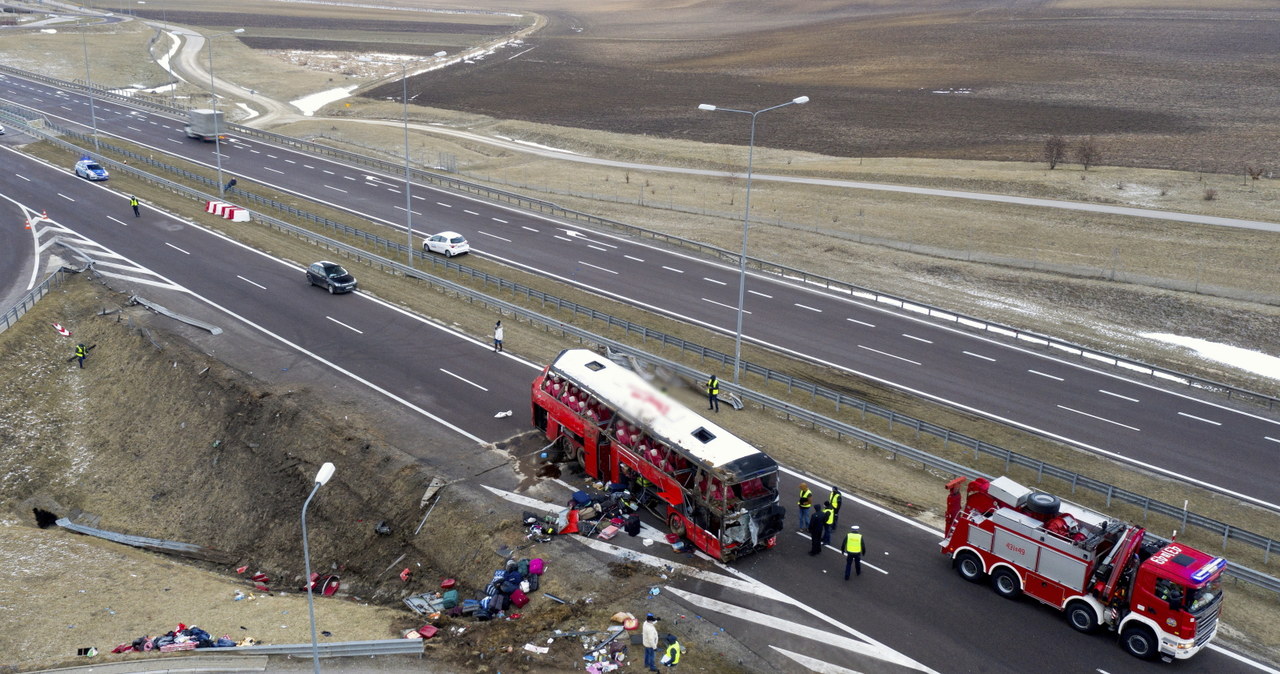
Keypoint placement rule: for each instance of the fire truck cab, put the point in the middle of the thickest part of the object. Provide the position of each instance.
(1162, 597)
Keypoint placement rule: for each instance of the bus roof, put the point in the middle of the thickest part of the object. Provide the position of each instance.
(638, 401)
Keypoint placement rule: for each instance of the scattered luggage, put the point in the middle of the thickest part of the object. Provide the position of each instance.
(536, 566)
(519, 599)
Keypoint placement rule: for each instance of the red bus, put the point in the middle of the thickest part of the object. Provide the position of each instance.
(711, 487)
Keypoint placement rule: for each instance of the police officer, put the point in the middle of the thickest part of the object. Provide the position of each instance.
(828, 516)
(133, 201)
(81, 353)
(713, 394)
(672, 656)
(853, 551)
(805, 506)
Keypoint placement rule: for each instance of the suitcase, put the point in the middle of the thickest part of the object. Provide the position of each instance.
(533, 584)
(536, 567)
(489, 604)
(519, 599)
(470, 606)
(507, 587)
(449, 599)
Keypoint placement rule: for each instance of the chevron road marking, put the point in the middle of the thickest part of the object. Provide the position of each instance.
(814, 664)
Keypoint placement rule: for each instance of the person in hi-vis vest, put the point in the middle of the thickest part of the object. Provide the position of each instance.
(853, 549)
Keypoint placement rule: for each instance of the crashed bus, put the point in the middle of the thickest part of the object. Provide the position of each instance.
(711, 487)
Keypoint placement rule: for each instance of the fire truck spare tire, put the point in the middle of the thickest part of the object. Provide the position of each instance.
(1082, 617)
(1041, 503)
(1139, 641)
(1005, 582)
(969, 567)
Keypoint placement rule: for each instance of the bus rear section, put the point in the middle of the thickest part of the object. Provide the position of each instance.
(710, 486)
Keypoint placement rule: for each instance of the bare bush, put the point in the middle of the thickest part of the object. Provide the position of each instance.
(1055, 150)
(1088, 153)
(1210, 194)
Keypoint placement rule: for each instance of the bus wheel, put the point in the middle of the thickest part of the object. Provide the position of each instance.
(676, 525)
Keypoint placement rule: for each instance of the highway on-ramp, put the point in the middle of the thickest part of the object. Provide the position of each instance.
(907, 612)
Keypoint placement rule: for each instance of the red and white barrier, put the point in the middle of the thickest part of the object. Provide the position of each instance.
(228, 211)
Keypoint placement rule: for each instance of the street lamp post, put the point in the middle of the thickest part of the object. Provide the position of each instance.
(408, 198)
(326, 472)
(746, 220)
(217, 142)
(88, 80)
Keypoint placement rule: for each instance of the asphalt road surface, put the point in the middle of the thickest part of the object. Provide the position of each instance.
(907, 612)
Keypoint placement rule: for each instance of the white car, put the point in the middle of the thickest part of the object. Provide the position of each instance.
(446, 243)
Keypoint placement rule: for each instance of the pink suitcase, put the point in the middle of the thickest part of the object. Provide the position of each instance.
(536, 567)
(519, 598)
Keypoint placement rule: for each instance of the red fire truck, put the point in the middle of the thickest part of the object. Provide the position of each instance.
(1162, 597)
(711, 487)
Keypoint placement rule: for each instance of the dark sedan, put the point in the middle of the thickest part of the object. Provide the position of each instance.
(332, 276)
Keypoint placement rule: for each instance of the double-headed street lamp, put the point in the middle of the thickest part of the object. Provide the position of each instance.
(746, 220)
(326, 472)
(88, 80)
(217, 142)
(408, 197)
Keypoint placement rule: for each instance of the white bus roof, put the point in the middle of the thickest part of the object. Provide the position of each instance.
(637, 400)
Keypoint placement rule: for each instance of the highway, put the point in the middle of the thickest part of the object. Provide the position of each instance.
(1163, 431)
(907, 612)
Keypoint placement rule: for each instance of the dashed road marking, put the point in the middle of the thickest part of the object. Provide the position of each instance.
(359, 332)
(1048, 376)
(465, 380)
(885, 353)
(978, 355)
(1094, 416)
(1117, 395)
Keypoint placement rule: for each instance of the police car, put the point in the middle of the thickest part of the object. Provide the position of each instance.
(90, 170)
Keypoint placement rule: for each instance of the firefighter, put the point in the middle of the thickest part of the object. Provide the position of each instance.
(833, 501)
(81, 354)
(828, 517)
(853, 551)
(672, 656)
(817, 525)
(713, 394)
(805, 506)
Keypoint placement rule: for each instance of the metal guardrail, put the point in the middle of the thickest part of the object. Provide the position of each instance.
(544, 207)
(342, 649)
(1077, 481)
(8, 318)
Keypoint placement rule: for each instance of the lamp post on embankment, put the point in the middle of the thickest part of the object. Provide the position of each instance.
(325, 472)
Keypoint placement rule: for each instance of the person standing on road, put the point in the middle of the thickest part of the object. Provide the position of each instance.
(853, 551)
(649, 639)
(133, 201)
(817, 525)
(497, 337)
(828, 517)
(81, 354)
(713, 394)
(833, 502)
(805, 506)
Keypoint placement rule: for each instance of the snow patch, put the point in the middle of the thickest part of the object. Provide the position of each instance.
(309, 104)
(1244, 359)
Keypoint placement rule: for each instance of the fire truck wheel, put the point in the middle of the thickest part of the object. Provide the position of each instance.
(1139, 642)
(1082, 617)
(1006, 583)
(969, 567)
(676, 525)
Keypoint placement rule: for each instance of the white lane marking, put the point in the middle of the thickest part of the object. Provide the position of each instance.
(250, 282)
(176, 248)
(978, 355)
(66, 197)
(441, 203)
(336, 189)
(814, 664)
(841, 553)
(1103, 671)
(273, 156)
(129, 127)
(255, 151)
(767, 297)
(493, 236)
(588, 264)
(174, 140)
(402, 208)
(505, 222)
(290, 161)
(348, 178)
(633, 258)
(1094, 416)
(918, 339)
(719, 283)
(876, 651)
(359, 332)
(469, 212)
(308, 166)
(273, 170)
(678, 271)
(418, 197)
(599, 248)
(1046, 375)
(1268, 437)
(119, 221)
(1192, 416)
(1256, 665)
(329, 172)
(1117, 395)
(69, 110)
(883, 353)
(23, 177)
(726, 306)
(805, 306)
(464, 380)
(392, 189)
(562, 238)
